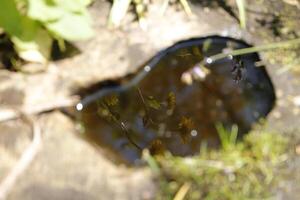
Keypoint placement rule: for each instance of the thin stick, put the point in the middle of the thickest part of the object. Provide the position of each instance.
(249, 50)
(23, 163)
(243, 51)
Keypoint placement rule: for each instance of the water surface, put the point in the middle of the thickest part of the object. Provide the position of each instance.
(162, 108)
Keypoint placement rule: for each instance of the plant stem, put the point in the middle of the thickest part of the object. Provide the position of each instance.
(186, 7)
(242, 12)
(284, 44)
(249, 50)
(164, 6)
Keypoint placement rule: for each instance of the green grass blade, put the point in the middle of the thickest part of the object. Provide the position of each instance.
(242, 12)
(118, 12)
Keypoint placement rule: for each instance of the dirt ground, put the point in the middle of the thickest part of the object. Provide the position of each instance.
(67, 167)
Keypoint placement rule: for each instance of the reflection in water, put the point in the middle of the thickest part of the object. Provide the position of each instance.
(168, 110)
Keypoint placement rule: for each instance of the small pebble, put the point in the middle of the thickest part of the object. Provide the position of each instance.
(277, 114)
(297, 149)
(296, 101)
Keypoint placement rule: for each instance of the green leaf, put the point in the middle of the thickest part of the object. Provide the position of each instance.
(67, 19)
(153, 103)
(10, 18)
(72, 27)
(44, 11)
(47, 10)
(72, 5)
(31, 42)
(34, 44)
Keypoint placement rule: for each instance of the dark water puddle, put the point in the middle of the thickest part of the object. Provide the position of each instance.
(161, 108)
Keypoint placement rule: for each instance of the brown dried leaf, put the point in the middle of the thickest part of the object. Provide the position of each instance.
(186, 125)
(156, 147)
(171, 101)
(111, 100)
(196, 51)
(183, 53)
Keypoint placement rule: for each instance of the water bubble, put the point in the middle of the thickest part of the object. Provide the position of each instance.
(256, 114)
(194, 133)
(219, 103)
(147, 68)
(249, 85)
(208, 60)
(79, 106)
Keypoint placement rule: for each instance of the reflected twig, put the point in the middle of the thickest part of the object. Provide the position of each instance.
(121, 124)
(147, 114)
(128, 135)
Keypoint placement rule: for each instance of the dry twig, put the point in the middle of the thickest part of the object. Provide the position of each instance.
(26, 158)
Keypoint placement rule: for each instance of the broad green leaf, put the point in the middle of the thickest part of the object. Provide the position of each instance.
(34, 44)
(49, 10)
(67, 19)
(44, 11)
(36, 50)
(10, 18)
(72, 5)
(72, 27)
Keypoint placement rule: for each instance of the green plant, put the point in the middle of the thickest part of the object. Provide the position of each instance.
(242, 12)
(119, 9)
(238, 170)
(228, 139)
(32, 25)
(289, 44)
